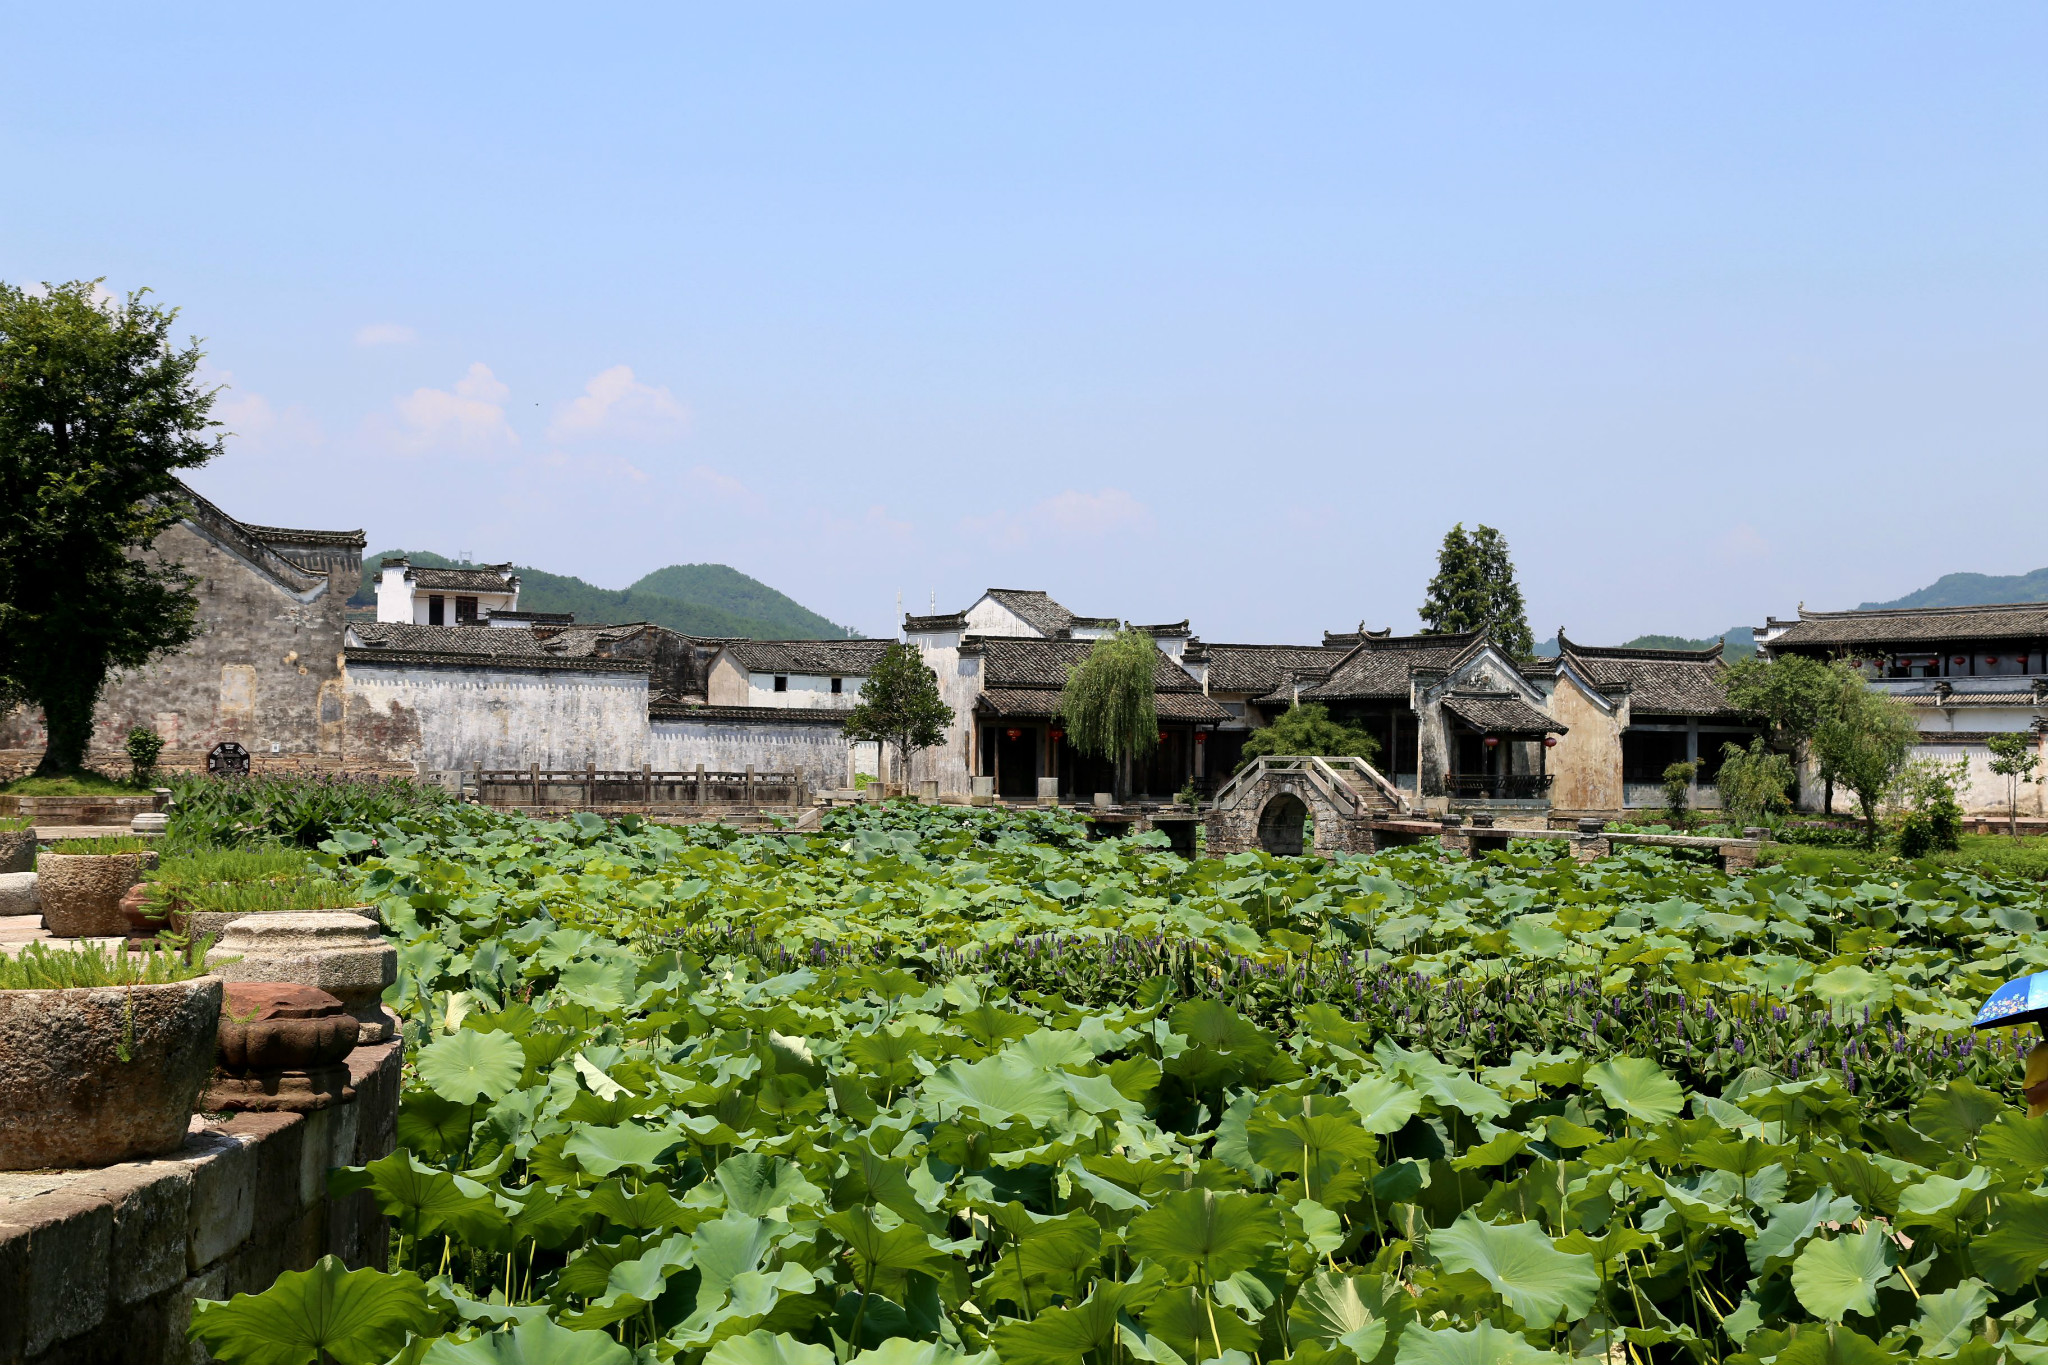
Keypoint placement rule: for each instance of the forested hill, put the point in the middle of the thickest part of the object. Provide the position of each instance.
(1972, 590)
(1738, 643)
(696, 599)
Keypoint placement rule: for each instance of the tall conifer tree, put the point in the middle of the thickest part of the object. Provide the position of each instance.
(1475, 587)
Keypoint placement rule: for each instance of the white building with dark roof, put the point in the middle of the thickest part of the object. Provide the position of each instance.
(415, 594)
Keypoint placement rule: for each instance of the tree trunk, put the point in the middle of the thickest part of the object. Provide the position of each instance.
(68, 719)
(1828, 802)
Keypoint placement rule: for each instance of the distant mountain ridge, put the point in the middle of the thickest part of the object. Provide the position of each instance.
(1738, 643)
(1971, 590)
(694, 599)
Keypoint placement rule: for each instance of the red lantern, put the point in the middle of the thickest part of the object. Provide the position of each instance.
(1162, 736)
(1550, 741)
(1991, 659)
(1056, 735)
(1201, 738)
(1492, 740)
(1014, 734)
(1958, 661)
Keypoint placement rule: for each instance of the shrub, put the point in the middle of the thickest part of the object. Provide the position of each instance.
(1678, 779)
(1755, 783)
(1308, 729)
(294, 808)
(145, 746)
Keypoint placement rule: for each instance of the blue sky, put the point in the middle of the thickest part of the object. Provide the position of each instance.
(1174, 310)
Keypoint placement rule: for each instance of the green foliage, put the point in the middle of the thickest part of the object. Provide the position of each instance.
(144, 747)
(1108, 705)
(1308, 729)
(1755, 783)
(293, 808)
(1678, 780)
(1933, 821)
(38, 967)
(354, 1317)
(99, 845)
(1475, 589)
(2016, 758)
(1864, 744)
(83, 783)
(1793, 695)
(927, 1088)
(98, 413)
(900, 705)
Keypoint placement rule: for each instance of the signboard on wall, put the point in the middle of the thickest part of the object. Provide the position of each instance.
(228, 759)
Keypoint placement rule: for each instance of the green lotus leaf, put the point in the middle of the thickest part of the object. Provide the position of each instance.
(2015, 1145)
(1483, 1345)
(759, 1185)
(602, 1151)
(904, 1351)
(1833, 1344)
(1638, 1088)
(1950, 1318)
(1196, 1330)
(1206, 1233)
(1343, 1310)
(767, 1348)
(1791, 1224)
(471, 1066)
(1835, 1277)
(1522, 1265)
(2016, 1248)
(1851, 988)
(1063, 1336)
(899, 1248)
(355, 1317)
(1383, 1105)
(998, 1088)
(1955, 1113)
(535, 1342)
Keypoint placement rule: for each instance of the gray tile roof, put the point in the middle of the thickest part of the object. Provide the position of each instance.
(1500, 713)
(1259, 669)
(1043, 703)
(476, 646)
(1378, 667)
(285, 535)
(813, 716)
(1036, 609)
(1678, 682)
(476, 578)
(1917, 626)
(822, 657)
(1012, 661)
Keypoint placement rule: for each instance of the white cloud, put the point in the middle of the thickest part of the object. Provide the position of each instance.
(385, 334)
(614, 403)
(471, 416)
(1069, 516)
(724, 485)
(253, 423)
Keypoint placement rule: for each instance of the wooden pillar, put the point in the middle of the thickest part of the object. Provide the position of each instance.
(698, 792)
(796, 796)
(750, 784)
(647, 783)
(533, 778)
(590, 784)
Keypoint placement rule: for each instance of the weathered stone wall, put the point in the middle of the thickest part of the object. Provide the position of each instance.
(1235, 828)
(266, 668)
(436, 716)
(730, 745)
(1585, 766)
(105, 1265)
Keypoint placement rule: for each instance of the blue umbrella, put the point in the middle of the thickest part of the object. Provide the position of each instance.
(2021, 1001)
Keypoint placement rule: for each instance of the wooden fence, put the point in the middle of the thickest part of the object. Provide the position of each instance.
(593, 786)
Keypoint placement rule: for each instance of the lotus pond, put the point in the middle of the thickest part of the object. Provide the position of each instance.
(934, 1086)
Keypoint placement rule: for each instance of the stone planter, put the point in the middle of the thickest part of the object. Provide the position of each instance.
(338, 952)
(281, 1049)
(67, 1098)
(17, 850)
(81, 892)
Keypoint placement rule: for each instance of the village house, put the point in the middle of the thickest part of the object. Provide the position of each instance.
(465, 595)
(266, 670)
(1968, 673)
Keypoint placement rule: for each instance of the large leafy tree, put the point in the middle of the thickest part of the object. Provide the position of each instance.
(1308, 730)
(1475, 589)
(900, 705)
(1108, 705)
(1795, 696)
(98, 412)
(2014, 757)
(1865, 743)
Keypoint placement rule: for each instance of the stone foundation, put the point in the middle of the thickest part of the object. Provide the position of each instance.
(104, 1265)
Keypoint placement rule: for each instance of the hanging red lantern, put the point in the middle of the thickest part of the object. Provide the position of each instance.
(1162, 736)
(1014, 734)
(1056, 735)
(1550, 741)
(1492, 740)
(1959, 661)
(1201, 738)
(1991, 659)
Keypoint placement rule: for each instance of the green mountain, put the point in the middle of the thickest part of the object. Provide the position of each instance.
(1973, 590)
(695, 599)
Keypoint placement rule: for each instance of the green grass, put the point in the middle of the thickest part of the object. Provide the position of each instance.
(40, 968)
(1994, 854)
(255, 863)
(103, 844)
(254, 898)
(72, 784)
(10, 823)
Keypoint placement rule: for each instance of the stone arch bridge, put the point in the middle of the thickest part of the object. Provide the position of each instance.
(1265, 804)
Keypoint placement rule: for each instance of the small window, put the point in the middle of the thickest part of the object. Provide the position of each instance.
(465, 611)
(435, 614)
(835, 686)
(781, 683)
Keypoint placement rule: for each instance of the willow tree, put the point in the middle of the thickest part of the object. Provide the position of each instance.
(98, 412)
(1108, 707)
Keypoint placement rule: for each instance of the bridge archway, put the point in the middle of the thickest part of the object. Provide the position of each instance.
(1280, 825)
